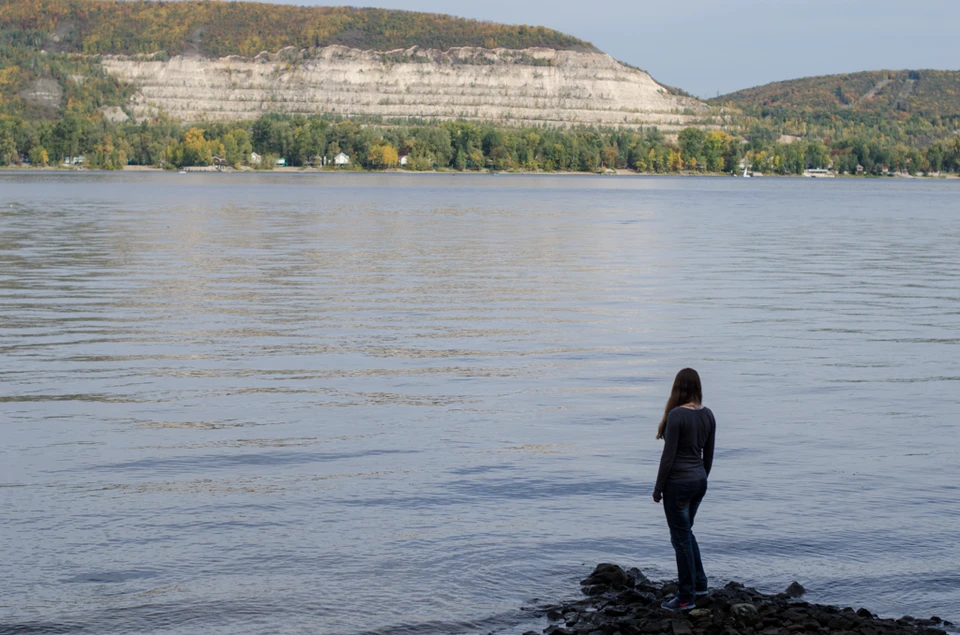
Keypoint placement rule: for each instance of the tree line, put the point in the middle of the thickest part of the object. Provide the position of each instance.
(313, 141)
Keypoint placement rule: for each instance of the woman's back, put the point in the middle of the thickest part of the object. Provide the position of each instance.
(688, 446)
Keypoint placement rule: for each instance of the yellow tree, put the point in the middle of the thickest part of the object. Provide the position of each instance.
(194, 149)
(676, 161)
(39, 156)
(383, 156)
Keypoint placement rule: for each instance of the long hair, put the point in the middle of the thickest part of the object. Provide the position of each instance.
(686, 389)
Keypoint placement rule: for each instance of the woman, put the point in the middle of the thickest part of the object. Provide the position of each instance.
(688, 431)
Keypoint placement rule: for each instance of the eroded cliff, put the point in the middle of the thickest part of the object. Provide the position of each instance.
(532, 86)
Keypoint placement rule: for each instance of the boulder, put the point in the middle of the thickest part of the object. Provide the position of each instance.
(745, 613)
(608, 575)
(795, 590)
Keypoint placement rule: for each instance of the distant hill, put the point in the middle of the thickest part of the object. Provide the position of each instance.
(867, 96)
(218, 29)
(207, 60)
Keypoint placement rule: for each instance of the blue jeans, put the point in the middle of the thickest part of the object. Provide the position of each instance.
(680, 503)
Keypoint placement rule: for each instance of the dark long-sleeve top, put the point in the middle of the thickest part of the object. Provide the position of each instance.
(687, 447)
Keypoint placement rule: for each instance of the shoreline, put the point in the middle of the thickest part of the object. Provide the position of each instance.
(627, 602)
(310, 170)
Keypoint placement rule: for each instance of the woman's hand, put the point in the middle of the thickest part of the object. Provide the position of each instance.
(657, 497)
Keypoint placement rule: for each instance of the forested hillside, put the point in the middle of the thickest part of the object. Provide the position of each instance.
(867, 96)
(876, 121)
(246, 28)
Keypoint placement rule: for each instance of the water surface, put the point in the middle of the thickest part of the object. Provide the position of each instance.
(426, 404)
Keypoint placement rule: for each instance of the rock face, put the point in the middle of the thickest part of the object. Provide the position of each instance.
(532, 86)
(626, 602)
(45, 92)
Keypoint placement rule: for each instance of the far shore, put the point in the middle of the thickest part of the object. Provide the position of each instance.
(312, 170)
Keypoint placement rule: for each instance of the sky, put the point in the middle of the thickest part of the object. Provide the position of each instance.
(711, 46)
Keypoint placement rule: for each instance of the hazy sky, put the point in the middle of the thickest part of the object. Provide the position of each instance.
(708, 45)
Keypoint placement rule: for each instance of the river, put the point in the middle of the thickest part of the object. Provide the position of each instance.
(401, 404)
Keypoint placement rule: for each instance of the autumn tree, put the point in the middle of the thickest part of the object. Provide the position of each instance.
(383, 156)
(38, 156)
(194, 150)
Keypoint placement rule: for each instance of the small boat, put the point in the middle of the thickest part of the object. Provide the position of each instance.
(746, 174)
(183, 172)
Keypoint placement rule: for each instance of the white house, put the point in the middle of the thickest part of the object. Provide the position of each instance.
(281, 163)
(341, 160)
(255, 158)
(404, 159)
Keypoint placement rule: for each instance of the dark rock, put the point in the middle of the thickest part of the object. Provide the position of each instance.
(607, 574)
(647, 587)
(636, 576)
(745, 613)
(838, 624)
(651, 627)
(622, 602)
(767, 608)
(795, 589)
(632, 596)
(793, 615)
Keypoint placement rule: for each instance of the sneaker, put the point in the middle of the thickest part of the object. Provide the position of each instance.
(675, 604)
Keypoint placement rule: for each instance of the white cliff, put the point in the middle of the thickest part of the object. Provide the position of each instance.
(533, 86)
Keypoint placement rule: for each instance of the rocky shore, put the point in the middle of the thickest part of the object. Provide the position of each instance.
(625, 602)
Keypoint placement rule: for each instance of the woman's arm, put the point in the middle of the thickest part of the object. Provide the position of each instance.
(708, 446)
